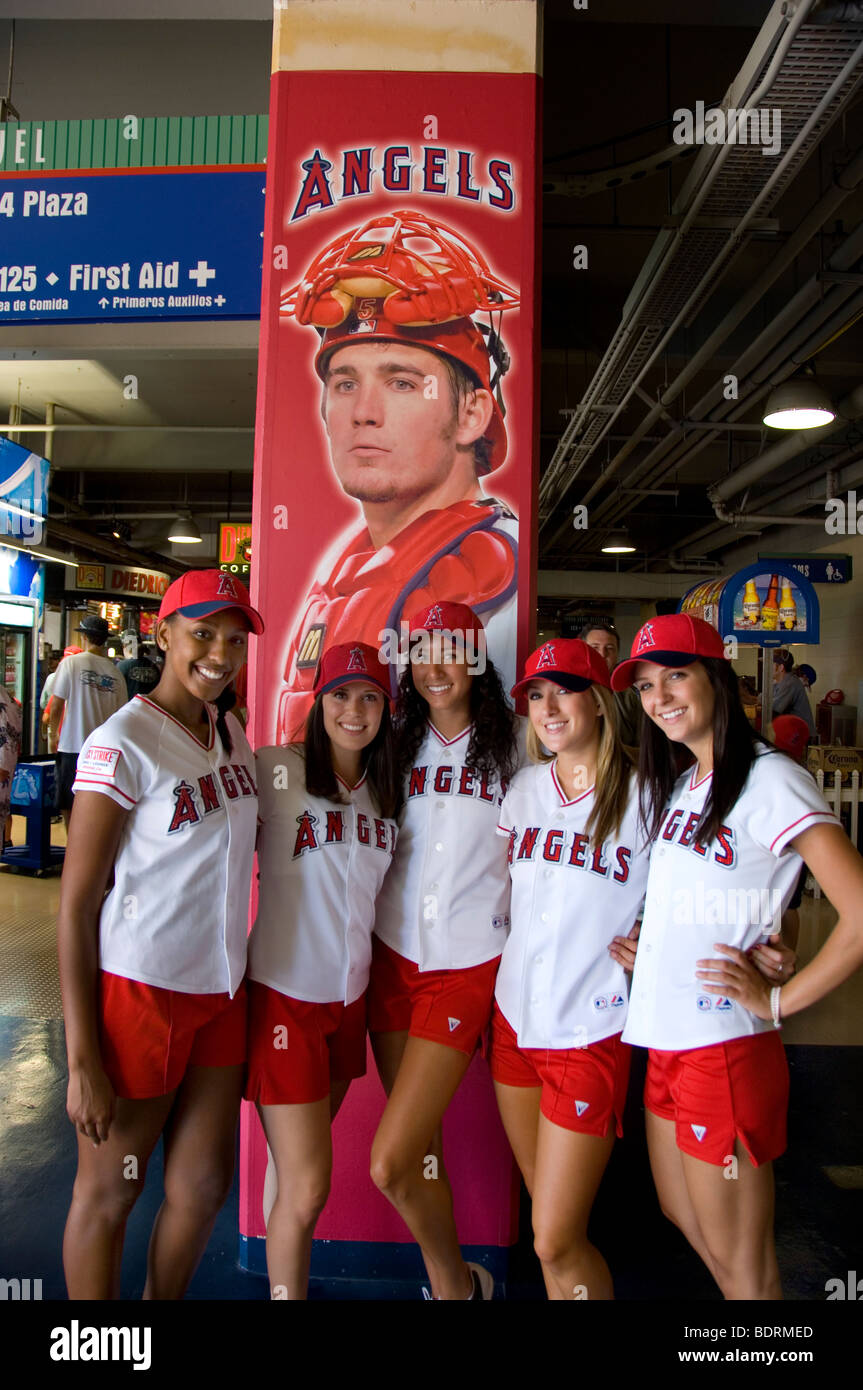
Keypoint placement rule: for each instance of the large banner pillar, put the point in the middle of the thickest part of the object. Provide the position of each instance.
(402, 208)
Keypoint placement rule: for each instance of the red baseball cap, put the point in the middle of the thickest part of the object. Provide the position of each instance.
(675, 639)
(200, 592)
(72, 651)
(791, 734)
(452, 617)
(352, 661)
(568, 661)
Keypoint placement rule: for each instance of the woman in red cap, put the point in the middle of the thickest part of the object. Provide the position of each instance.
(152, 972)
(441, 923)
(731, 819)
(327, 836)
(578, 865)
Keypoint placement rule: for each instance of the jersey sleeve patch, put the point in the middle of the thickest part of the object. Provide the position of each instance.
(99, 759)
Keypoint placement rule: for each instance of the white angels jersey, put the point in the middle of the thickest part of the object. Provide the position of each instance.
(320, 866)
(733, 890)
(177, 915)
(445, 901)
(557, 986)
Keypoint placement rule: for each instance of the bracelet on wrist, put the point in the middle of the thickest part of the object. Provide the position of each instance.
(774, 1006)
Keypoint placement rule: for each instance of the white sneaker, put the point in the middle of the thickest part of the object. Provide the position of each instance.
(483, 1283)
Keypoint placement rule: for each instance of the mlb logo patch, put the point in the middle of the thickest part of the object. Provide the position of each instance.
(581, 1106)
(101, 760)
(366, 325)
(704, 1003)
(600, 1001)
(502, 921)
(699, 1131)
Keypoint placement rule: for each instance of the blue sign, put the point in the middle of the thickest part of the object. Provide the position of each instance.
(818, 569)
(86, 247)
(23, 492)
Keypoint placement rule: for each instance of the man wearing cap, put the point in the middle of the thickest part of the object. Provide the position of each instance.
(414, 416)
(87, 690)
(140, 673)
(602, 635)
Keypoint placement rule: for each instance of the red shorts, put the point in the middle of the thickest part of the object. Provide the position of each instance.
(583, 1088)
(714, 1095)
(149, 1036)
(452, 1007)
(297, 1049)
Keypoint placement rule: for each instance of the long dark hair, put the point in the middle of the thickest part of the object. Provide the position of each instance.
(735, 748)
(378, 761)
(492, 748)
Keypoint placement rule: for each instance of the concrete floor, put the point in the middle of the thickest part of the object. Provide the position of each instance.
(819, 1180)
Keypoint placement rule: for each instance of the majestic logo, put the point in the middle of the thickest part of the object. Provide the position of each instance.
(646, 639)
(546, 657)
(310, 648)
(226, 588)
(366, 252)
(356, 660)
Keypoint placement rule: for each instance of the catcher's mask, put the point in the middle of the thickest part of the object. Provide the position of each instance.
(403, 278)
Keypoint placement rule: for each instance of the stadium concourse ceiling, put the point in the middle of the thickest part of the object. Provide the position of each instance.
(704, 263)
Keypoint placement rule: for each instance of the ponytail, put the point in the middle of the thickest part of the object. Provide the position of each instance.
(226, 701)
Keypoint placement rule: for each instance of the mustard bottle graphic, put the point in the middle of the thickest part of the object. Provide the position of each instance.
(751, 604)
(787, 607)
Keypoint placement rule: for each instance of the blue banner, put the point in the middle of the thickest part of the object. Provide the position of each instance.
(23, 492)
(86, 247)
(818, 569)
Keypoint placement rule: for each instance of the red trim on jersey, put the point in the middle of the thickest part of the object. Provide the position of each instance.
(97, 782)
(448, 742)
(347, 786)
(797, 822)
(693, 785)
(164, 712)
(562, 794)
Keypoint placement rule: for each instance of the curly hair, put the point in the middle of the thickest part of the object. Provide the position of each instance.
(492, 748)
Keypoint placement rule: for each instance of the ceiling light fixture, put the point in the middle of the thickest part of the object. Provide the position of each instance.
(183, 531)
(618, 543)
(798, 404)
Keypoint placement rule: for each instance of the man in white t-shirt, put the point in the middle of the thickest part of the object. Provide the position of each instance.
(87, 690)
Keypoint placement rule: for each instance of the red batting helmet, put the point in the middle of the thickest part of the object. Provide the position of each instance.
(404, 278)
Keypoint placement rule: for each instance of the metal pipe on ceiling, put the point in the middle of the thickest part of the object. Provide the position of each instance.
(783, 334)
(841, 189)
(692, 196)
(797, 442)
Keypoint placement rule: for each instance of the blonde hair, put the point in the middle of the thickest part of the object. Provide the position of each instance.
(613, 769)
